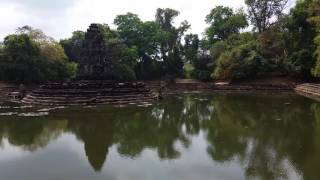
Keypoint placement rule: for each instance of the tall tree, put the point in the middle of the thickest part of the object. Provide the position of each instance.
(223, 22)
(145, 37)
(300, 33)
(29, 56)
(129, 27)
(73, 45)
(20, 55)
(263, 12)
(314, 12)
(191, 47)
(171, 48)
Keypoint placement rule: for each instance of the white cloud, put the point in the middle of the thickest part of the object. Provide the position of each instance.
(60, 17)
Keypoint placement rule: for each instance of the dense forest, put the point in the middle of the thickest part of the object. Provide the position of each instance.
(260, 40)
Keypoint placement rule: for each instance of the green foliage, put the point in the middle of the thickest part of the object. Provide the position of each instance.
(123, 72)
(263, 12)
(191, 47)
(157, 43)
(20, 54)
(299, 63)
(124, 61)
(130, 29)
(31, 57)
(316, 70)
(284, 44)
(300, 44)
(171, 50)
(145, 38)
(188, 69)
(240, 60)
(314, 12)
(280, 44)
(203, 68)
(73, 46)
(273, 48)
(223, 22)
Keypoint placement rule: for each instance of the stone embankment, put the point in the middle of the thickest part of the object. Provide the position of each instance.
(88, 93)
(109, 92)
(309, 90)
(6, 90)
(193, 85)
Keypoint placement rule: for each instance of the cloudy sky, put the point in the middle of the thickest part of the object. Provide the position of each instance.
(59, 18)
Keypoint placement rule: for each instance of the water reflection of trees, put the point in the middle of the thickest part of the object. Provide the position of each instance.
(262, 133)
(29, 133)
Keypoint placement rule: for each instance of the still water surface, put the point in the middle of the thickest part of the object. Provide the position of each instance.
(185, 137)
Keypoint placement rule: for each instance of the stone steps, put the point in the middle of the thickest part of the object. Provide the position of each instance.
(88, 101)
(94, 91)
(312, 89)
(85, 97)
(91, 85)
(66, 94)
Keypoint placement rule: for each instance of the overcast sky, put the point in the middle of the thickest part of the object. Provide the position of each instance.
(59, 18)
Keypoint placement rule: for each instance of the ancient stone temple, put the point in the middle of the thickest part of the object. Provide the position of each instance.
(94, 84)
(94, 62)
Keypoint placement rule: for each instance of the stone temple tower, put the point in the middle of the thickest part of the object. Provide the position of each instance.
(94, 61)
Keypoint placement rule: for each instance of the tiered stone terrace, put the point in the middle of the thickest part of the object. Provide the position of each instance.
(90, 92)
(309, 90)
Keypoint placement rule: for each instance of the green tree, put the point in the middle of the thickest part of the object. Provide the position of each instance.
(241, 59)
(171, 49)
(273, 48)
(314, 12)
(223, 22)
(123, 58)
(1, 59)
(129, 27)
(29, 56)
(191, 47)
(19, 57)
(144, 37)
(73, 46)
(55, 63)
(299, 35)
(262, 12)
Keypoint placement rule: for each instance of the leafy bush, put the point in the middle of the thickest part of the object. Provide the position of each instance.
(203, 67)
(241, 61)
(27, 60)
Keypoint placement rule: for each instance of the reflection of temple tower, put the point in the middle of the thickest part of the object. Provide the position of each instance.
(96, 146)
(97, 136)
(93, 63)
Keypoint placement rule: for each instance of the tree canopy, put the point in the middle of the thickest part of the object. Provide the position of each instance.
(279, 44)
(29, 56)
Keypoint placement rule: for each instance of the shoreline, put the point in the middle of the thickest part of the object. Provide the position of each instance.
(193, 87)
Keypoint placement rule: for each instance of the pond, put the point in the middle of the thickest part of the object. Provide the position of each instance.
(184, 137)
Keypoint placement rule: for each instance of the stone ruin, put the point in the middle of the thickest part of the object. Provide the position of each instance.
(94, 63)
(90, 93)
(93, 85)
